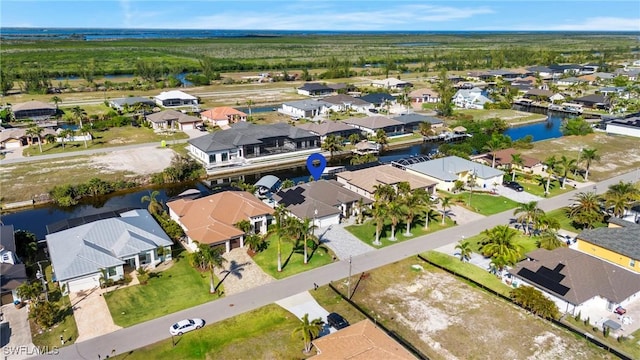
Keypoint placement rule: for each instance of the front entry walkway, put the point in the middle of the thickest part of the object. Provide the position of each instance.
(92, 314)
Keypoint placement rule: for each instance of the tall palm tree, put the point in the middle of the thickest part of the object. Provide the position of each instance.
(494, 144)
(379, 213)
(65, 134)
(211, 257)
(425, 128)
(585, 210)
(307, 226)
(589, 156)
(155, 207)
(308, 330)
(464, 250)
(56, 100)
(498, 242)
(445, 203)
(383, 193)
(621, 197)
(530, 214)
(550, 163)
(395, 210)
(79, 114)
(35, 131)
(548, 239)
(471, 183)
(412, 203)
(617, 204)
(249, 103)
(332, 144)
(516, 160)
(382, 139)
(565, 166)
(279, 230)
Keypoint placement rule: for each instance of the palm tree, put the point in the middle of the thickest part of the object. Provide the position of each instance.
(35, 131)
(585, 210)
(332, 144)
(210, 257)
(445, 203)
(588, 156)
(79, 114)
(155, 207)
(621, 197)
(249, 103)
(530, 214)
(379, 213)
(494, 144)
(412, 202)
(548, 239)
(30, 290)
(86, 130)
(395, 211)
(498, 242)
(550, 163)
(566, 165)
(309, 330)
(244, 225)
(382, 139)
(287, 183)
(383, 193)
(65, 134)
(425, 128)
(280, 231)
(471, 183)
(56, 100)
(465, 251)
(516, 159)
(307, 226)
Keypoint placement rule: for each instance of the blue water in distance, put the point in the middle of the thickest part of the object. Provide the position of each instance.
(549, 129)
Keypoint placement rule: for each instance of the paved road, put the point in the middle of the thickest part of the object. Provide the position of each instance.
(140, 335)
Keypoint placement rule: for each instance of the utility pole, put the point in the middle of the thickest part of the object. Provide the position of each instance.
(349, 280)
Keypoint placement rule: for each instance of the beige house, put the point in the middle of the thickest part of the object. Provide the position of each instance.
(211, 220)
(503, 160)
(446, 171)
(223, 116)
(172, 119)
(364, 181)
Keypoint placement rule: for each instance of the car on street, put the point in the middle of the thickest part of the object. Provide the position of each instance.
(513, 185)
(185, 325)
(337, 321)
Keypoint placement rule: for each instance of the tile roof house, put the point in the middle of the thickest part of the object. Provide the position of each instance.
(470, 99)
(343, 102)
(130, 102)
(371, 124)
(324, 201)
(391, 83)
(176, 99)
(363, 181)
(326, 128)
(245, 140)
(360, 341)
(619, 243)
(424, 95)
(12, 271)
(446, 171)
(412, 121)
(172, 119)
(308, 108)
(315, 89)
(211, 219)
(34, 110)
(79, 254)
(576, 281)
(13, 138)
(223, 116)
(503, 160)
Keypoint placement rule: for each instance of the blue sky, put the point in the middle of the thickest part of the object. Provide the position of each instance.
(585, 15)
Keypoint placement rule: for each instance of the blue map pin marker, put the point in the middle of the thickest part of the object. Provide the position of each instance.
(316, 164)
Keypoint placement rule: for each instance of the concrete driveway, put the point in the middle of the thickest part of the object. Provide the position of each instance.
(342, 242)
(518, 196)
(15, 333)
(92, 314)
(303, 303)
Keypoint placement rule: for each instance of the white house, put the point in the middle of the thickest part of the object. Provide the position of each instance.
(343, 102)
(625, 126)
(304, 108)
(470, 99)
(391, 83)
(176, 99)
(12, 270)
(446, 171)
(80, 254)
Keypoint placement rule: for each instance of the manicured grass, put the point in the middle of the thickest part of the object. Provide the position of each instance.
(566, 223)
(292, 261)
(177, 288)
(126, 135)
(510, 116)
(367, 232)
(484, 204)
(536, 185)
(469, 270)
(527, 242)
(399, 139)
(263, 333)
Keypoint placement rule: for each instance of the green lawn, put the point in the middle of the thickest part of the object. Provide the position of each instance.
(177, 288)
(566, 223)
(263, 333)
(292, 261)
(484, 204)
(509, 115)
(536, 185)
(117, 136)
(528, 243)
(367, 232)
(469, 270)
(628, 346)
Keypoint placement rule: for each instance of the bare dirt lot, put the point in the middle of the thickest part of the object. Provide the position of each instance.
(447, 319)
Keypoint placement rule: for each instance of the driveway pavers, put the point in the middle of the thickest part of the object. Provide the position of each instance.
(342, 242)
(15, 333)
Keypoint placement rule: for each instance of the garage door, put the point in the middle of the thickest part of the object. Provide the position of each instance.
(187, 126)
(12, 144)
(84, 283)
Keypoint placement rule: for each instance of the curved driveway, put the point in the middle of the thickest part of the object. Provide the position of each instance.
(134, 337)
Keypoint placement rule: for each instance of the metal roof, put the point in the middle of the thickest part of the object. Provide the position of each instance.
(448, 168)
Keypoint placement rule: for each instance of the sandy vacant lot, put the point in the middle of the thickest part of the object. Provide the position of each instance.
(141, 161)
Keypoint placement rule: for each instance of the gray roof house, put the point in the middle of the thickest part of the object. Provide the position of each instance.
(342, 102)
(131, 101)
(12, 271)
(446, 171)
(34, 110)
(326, 128)
(324, 201)
(170, 119)
(575, 280)
(315, 89)
(80, 254)
(244, 140)
(622, 238)
(372, 124)
(379, 99)
(307, 108)
(412, 121)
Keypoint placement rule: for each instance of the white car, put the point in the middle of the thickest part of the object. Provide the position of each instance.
(185, 325)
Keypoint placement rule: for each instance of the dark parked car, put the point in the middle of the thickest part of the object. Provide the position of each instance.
(513, 185)
(337, 321)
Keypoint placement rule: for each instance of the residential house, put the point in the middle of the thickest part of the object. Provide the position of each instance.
(470, 99)
(632, 74)
(176, 99)
(223, 116)
(504, 74)
(341, 88)
(308, 108)
(244, 140)
(343, 102)
(412, 121)
(619, 243)
(12, 270)
(576, 281)
(326, 202)
(539, 94)
(424, 95)
(315, 89)
(503, 160)
(593, 101)
(363, 182)
(446, 171)
(618, 91)
(568, 81)
(391, 84)
(14, 138)
(544, 71)
(371, 124)
(600, 76)
(565, 69)
(379, 99)
(34, 110)
(81, 254)
(362, 340)
(212, 219)
(629, 125)
(326, 128)
(172, 119)
(589, 68)
(130, 103)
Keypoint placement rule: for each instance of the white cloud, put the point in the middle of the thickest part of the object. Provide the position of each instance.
(589, 24)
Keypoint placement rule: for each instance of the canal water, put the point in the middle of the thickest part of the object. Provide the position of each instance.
(35, 220)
